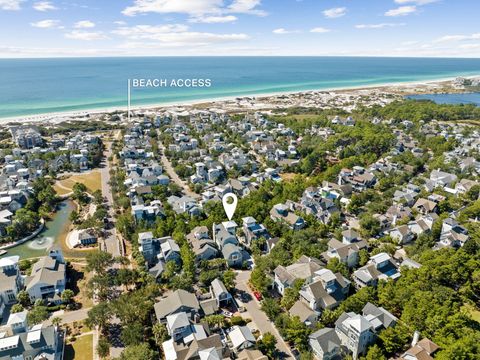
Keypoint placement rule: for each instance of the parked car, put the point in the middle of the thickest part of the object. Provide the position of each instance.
(257, 295)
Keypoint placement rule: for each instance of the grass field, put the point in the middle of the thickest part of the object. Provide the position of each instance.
(92, 180)
(80, 349)
(473, 312)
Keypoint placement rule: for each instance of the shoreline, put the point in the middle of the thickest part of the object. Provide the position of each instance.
(84, 114)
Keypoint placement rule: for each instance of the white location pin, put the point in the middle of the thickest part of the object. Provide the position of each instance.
(229, 208)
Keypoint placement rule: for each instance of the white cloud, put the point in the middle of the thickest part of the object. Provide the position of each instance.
(10, 4)
(120, 22)
(213, 19)
(194, 8)
(452, 38)
(46, 24)
(402, 11)
(44, 6)
(335, 12)
(320, 30)
(282, 31)
(247, 7)
(378, 26)
(84, 24)
(416, 2)
(85, 35)
(174, 35)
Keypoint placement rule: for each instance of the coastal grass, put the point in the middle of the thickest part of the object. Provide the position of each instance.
(80, 349)
(92, 180)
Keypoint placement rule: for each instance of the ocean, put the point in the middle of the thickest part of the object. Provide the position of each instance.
(37, 86)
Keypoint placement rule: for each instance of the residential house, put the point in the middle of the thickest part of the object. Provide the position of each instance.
(282, 213)
(220, 293)
(379, 267)
(224, 236)
(304, 269)
(48, 279)
(202, 245)
(177, 302)
(184, 204)
(326, 291)
(209, 348)
(241, 338)
(10, 279)
(355, 333)
(402, 234)
(253, 231)
(420, 350)
(424, 206)
(441, 179)
(452, 234)
(346, 253)
(251, 354)
(326, 344)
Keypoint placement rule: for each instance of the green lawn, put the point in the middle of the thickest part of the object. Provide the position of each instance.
(473, 312)
(81, 349)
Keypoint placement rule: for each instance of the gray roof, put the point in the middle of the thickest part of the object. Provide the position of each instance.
(48, 339)
(174, 302)
(325, 339)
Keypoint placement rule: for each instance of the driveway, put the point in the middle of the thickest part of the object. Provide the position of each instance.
(261, 320)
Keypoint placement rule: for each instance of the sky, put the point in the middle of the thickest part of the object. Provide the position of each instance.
(62, 28)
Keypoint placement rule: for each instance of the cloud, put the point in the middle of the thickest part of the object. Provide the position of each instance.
(335, 12)
(46, 24)
(378, 26)
(194, 8)
(282, 31)
(174, 35)
(213, 19)
(85, 35)
(452, 38)
(416, 2)
(10, 4)
(402, 11)
(44, 6)
(84, 24)
(320, 30)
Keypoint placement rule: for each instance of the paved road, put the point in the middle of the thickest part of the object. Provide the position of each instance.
(112, 243)
(167, 165)
(258, 316)
(69, 317)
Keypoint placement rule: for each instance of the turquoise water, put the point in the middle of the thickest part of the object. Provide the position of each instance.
(36, 86)
(469, 98)
(54, 231)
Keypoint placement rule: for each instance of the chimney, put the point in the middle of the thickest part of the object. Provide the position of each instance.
(416, 336)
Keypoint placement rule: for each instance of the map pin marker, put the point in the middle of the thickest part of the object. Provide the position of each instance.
(229, 208)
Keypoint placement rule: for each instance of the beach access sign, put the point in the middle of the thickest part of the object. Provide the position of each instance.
(177, 83)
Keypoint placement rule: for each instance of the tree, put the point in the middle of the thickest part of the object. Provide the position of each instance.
(292, 294)
(375, 353)
(138, 352)
(16, 308)
(160, 333)
(99, 315)
(38, 314)
(74, 217)
(98, 261)
(268, 345)
(23, 298)
(67, 296)
(103, 347)
(229, 277)
(394, 338)
(132, 334)
(271, 308)
(56, 321)
(215, 320)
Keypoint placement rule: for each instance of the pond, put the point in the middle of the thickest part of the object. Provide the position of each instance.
(54, 233)
(465, 98)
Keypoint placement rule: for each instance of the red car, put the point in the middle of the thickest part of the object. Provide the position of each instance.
(257, 295)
